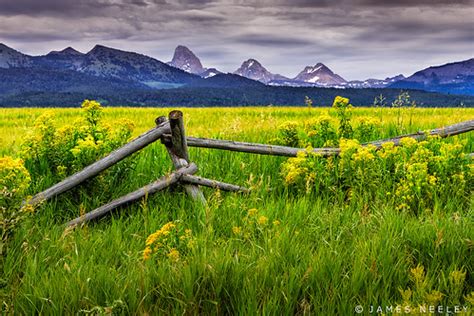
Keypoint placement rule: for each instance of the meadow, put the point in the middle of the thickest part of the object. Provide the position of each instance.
(281, 249)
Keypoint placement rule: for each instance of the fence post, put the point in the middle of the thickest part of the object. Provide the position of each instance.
(178, 151)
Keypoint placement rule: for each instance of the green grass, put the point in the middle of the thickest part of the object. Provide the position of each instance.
(324, 258)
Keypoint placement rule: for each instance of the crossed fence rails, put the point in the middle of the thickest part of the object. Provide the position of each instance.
(171, 132)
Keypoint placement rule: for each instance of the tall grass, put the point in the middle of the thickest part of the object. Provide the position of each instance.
(325, 257)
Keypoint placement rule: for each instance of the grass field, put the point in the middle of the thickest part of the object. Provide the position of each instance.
(274, 251)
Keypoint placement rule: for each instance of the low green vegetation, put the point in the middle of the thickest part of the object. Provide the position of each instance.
(316, 235)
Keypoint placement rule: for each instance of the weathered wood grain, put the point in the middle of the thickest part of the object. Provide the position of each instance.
(443, 132)
(151, 188)
(213, 183)
(253, 148)
(178, 151)
(275, 150)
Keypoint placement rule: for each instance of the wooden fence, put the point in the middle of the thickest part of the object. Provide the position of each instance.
(171, 132)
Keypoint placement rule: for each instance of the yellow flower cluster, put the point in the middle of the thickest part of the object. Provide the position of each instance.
(322, 120)
(91, 105)
(340, 102)
(162, 232)
(295, 168)
(408, 142)
(366, 129)
(86, 146)
(254, 224)
(320, 131)
(69, 148)
(348, 147)
(173, 255)
(423, 294)
(388, 151)
(14, 180)
(415, 174)
(169, 241)
(365, 154)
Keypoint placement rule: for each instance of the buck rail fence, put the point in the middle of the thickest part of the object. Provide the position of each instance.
(170, 131)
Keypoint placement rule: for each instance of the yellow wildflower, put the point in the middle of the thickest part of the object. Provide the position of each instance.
(147, 253)
(418, 274)
(173, 255)
(457, 277)
(14, 178)
(340, 102)
(151, 239)
(90, 105)
(236, 230)
(434, 297)
(407, 142)
(470, 298)
(28, 208)
(168, 226)
(252, 212)
(406, 294)
(262, 220)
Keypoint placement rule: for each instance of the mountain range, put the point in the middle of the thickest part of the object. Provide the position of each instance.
(450, 78)
(318, 75)
(107, 71)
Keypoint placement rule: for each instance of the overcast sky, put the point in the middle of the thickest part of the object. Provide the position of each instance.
(357, 39)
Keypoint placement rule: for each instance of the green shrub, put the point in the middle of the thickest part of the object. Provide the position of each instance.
(55, 152)
(288, 134)
(414, 176)
(14, 181)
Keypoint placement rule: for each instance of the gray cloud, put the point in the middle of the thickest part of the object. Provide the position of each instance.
(270, 40)
(355, 38)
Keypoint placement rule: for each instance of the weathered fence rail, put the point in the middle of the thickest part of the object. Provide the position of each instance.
(151, 188)
(443, 132)
(275, 150)
(172, 134)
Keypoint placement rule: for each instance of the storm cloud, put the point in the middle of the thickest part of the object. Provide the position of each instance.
(357, 39)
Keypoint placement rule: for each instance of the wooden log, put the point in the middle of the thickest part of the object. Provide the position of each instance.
(151, 188)
(443, 132)
(178, 151)
(253, 148)
(92, 170)
(275, 150)
(212, 183)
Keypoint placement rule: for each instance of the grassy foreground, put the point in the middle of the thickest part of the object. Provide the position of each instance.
(273, 251)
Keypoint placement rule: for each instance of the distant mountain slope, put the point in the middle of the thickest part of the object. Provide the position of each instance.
(113, 63)
(455, 77)
(70, 70)
(227, 81)
(374, 83)
(10, 58)
(68, 58)
(185, 59)
(254, 70)
(320, 75)
(210, 72)
(21, 80)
